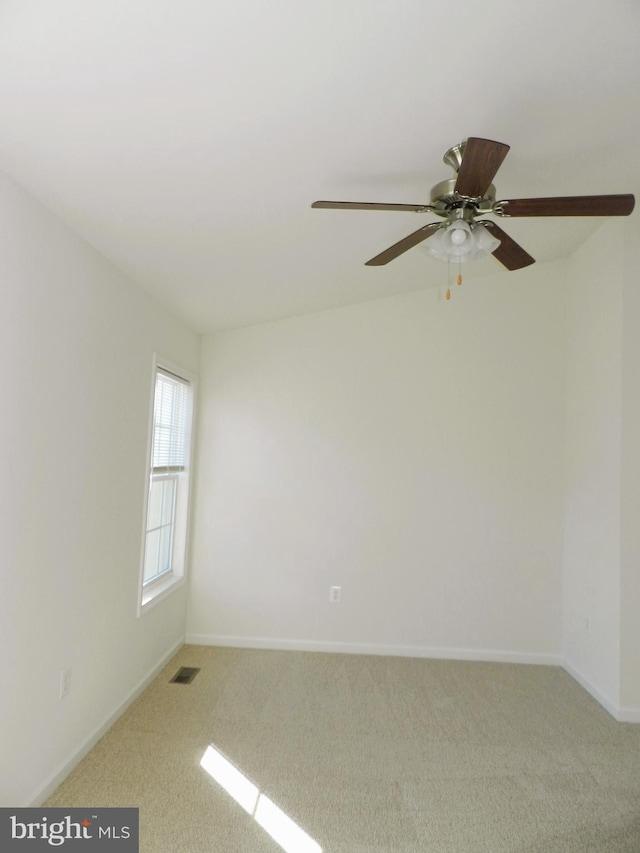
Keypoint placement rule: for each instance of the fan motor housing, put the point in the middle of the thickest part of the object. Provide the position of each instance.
(445, 199)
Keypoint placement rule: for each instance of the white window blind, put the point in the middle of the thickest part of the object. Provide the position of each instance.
(170, 423)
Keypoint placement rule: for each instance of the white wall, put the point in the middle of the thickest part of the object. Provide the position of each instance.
(76, 344)
(409, 450)
(591, 613)
(630, 521)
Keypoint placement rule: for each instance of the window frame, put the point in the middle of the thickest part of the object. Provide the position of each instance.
(156, 590)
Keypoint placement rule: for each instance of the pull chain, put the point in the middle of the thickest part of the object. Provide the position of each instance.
(447, 294)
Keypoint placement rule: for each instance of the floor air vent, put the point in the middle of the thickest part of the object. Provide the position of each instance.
(185, 675)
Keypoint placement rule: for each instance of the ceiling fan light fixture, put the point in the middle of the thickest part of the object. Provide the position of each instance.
(460, 242)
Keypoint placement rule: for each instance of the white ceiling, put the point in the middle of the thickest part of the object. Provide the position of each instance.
(186, 139)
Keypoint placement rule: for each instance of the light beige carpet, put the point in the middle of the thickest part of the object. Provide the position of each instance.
(368, 755)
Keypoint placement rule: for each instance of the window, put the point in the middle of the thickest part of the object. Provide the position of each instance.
(166, 506)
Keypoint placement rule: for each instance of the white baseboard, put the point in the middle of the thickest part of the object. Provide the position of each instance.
(387, 650)
(591, 689)
(628, 715)
(53, 781)
(622, 715)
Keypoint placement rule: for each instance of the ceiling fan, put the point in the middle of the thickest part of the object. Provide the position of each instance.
(460, 200)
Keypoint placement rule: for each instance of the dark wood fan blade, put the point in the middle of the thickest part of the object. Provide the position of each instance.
(403, 245)
(481, 160)
(365, 205)
(578, 205)
(509, 253)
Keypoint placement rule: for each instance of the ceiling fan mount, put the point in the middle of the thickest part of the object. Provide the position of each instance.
(453, 157)
(459, 200)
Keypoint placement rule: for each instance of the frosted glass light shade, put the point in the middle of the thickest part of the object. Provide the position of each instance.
(461, 242)
(486, 243)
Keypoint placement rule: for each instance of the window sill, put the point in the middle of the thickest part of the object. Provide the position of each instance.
(158, 591)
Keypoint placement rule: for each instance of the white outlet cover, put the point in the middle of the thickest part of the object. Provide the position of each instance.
(65, 683)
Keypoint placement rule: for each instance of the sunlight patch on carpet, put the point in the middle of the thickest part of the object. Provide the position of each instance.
(282, 828)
